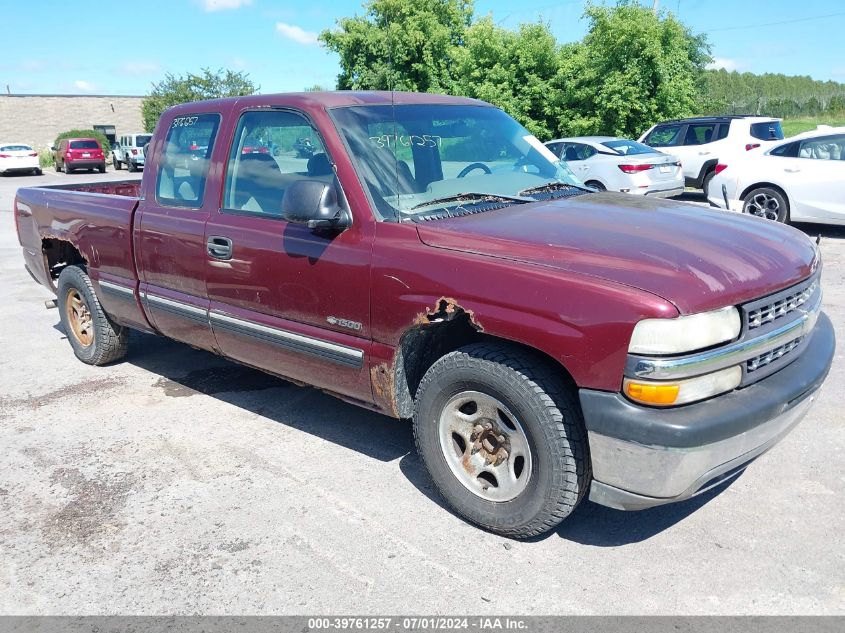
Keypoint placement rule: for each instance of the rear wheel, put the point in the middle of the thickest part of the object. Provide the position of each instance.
(66, 168)
(768, 203)
(101, 168)
(95, 339)
(131, 166)
(705, 185)
(503, 439)
(595, 184)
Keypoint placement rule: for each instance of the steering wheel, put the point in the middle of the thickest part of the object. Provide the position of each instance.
(472, 166)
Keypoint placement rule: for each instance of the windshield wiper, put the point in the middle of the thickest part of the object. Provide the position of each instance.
(551, 186)
(470, 197)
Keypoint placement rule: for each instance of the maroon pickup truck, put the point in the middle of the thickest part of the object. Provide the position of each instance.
(428, 258)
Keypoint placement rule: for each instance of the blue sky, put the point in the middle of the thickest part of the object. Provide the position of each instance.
(127, 45)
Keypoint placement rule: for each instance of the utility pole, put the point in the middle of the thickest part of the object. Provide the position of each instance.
(654, 4)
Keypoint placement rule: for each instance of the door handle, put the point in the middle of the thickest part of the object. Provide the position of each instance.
(703, 153)
(791, 170)
(219, 247)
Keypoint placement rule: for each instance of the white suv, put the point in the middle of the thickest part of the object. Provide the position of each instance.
(700, 142)
(129, 151)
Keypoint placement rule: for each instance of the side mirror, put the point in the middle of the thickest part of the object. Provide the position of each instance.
(314, 203)
(52, 148)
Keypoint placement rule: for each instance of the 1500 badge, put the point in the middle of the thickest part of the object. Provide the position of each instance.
(352, 325)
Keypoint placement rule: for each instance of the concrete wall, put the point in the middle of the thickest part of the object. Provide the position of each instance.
(38, 119)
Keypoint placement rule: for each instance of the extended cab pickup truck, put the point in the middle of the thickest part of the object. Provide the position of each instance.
(430, 259)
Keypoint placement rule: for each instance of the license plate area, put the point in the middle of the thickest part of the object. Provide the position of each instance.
(665, 169)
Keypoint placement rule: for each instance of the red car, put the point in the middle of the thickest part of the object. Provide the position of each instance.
(79, 153)
(433, 260)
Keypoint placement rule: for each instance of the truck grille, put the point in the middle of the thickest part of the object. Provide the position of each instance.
(770, 312)
(753, 364)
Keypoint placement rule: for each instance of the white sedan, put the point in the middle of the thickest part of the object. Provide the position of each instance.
(608, 163)
(18, 157)
(802, 178)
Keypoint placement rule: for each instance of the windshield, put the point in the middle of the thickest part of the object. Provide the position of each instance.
(629, 148)
(15, 148)
(418, 158)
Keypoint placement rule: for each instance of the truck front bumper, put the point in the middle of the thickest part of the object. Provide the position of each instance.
(644, 457)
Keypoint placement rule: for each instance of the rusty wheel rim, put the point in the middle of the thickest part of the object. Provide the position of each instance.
(79, 318)
(485, 446)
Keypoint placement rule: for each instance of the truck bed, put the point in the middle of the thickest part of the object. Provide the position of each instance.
(59, 213)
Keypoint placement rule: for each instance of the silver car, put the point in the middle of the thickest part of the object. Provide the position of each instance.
(609, 163)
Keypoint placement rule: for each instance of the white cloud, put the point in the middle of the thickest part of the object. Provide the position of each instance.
(222, 5)
(84, 86)
(139, 68)
(296, 34)
(723, 62)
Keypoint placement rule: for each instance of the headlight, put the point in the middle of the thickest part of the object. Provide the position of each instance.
(686, 333)
(665, 394)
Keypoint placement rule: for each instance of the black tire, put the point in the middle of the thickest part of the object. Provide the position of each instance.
(705, 184)
(39, 172)
(116, 163)
(547, 411)
(109, 341)
(768, 203)
(595, 184)
(101, 168)
(131, 167)
(56, 166)
(65, 167)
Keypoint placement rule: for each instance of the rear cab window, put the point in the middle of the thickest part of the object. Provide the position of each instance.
(663, 136)
(84, 145)
(183, 166)
(767, 131)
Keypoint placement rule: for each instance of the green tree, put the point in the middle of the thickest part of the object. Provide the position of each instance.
(633, 68)
(400, 44)
(208, 84)
(514, 70)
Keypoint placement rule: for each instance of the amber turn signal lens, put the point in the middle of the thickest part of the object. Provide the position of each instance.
(652, 394)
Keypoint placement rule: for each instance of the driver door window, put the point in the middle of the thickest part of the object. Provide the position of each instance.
(271, 150)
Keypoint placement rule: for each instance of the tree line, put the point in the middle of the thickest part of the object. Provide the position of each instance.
(771, 94)
(633, 68)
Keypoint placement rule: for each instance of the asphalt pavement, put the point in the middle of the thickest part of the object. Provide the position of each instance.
(175, 482)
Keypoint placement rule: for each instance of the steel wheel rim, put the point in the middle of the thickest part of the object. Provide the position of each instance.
(485, 446)
(763, 205)
(79, 318)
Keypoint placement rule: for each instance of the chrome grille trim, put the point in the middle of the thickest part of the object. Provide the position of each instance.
(753, 364)
(780, 307)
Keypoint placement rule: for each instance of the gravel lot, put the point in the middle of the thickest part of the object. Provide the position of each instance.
(176, 482)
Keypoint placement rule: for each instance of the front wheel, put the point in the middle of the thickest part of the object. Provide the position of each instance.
(116, 163)
(95, 339)
(768, 203)
(595, 184)
(503, 439)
